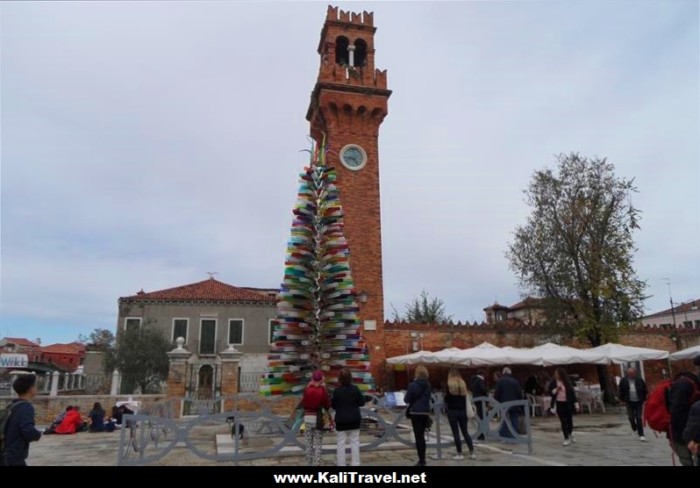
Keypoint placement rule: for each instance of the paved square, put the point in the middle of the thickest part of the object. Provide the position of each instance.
(601, 439)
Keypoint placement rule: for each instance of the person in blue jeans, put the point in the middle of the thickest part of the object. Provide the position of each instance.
(456, 406)
(18, 420)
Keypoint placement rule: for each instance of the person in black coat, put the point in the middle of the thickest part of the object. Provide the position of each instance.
(347, 400)
(417, 399)
(19, 426)
(633, 391)
(477, 385)
(681, 396)
(508, 390)
(691, 433)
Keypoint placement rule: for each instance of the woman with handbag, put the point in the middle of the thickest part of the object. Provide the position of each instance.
(565, 397)
(418, 410)
(314, 401)
(457, 402)
(346, 402)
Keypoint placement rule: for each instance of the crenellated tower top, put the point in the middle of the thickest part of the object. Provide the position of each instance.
(347, 51)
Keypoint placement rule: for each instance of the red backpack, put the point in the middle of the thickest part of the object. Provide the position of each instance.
(656, 413)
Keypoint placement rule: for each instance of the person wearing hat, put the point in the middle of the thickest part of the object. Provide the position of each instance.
(314, 401)
(684, 392)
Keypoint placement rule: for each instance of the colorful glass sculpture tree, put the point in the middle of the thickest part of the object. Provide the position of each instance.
(317, 324)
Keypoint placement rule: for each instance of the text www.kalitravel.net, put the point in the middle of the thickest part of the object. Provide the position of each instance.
(348, 477)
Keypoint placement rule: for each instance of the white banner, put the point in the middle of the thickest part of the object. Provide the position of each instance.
(14, 361)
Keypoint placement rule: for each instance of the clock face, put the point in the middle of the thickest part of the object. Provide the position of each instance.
(353, 157)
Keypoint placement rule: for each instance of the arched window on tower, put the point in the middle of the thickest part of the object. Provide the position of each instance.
(360, 53)
(341, 50)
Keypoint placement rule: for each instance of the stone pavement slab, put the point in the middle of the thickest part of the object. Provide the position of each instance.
(601, 439)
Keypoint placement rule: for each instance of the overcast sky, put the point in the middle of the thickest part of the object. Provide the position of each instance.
(146, 143)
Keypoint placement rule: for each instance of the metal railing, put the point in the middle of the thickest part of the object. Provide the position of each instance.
(151, 435)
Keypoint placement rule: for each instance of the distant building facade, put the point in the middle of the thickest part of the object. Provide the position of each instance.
(64, 357)
(529, 310)
(67, 357)
(210, 315)
(685, 314)
(20, 345)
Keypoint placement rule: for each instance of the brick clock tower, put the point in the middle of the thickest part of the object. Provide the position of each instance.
(348, 104)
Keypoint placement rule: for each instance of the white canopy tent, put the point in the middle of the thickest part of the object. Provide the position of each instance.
(473, 356)
(486, 354)
(689, 353)
(619, 354)
(556, 355)
(420, 357)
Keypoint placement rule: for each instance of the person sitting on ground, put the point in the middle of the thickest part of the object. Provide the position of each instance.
(57, 421)
(97, 418)
(116, 415)
(71, 423)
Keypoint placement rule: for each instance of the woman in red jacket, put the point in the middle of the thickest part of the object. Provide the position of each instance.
(71, 423)
(314, 401)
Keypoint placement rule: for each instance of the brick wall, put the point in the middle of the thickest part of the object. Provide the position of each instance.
(47, 408)
(399, 338)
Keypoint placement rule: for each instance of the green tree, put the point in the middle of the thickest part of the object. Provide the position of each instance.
(423, 309)
(98, 340)
(140, 356)
(317, 324)
(576, 250)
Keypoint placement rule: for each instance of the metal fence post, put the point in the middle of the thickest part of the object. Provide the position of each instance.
(438, 421)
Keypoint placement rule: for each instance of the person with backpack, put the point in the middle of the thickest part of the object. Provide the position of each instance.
(683, 393)
(346, 402)
(417, 399)
(633, 391)
(314, 401)
(17, 424)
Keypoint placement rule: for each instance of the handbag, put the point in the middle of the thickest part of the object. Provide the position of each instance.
(471, 413)
(296, 419)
